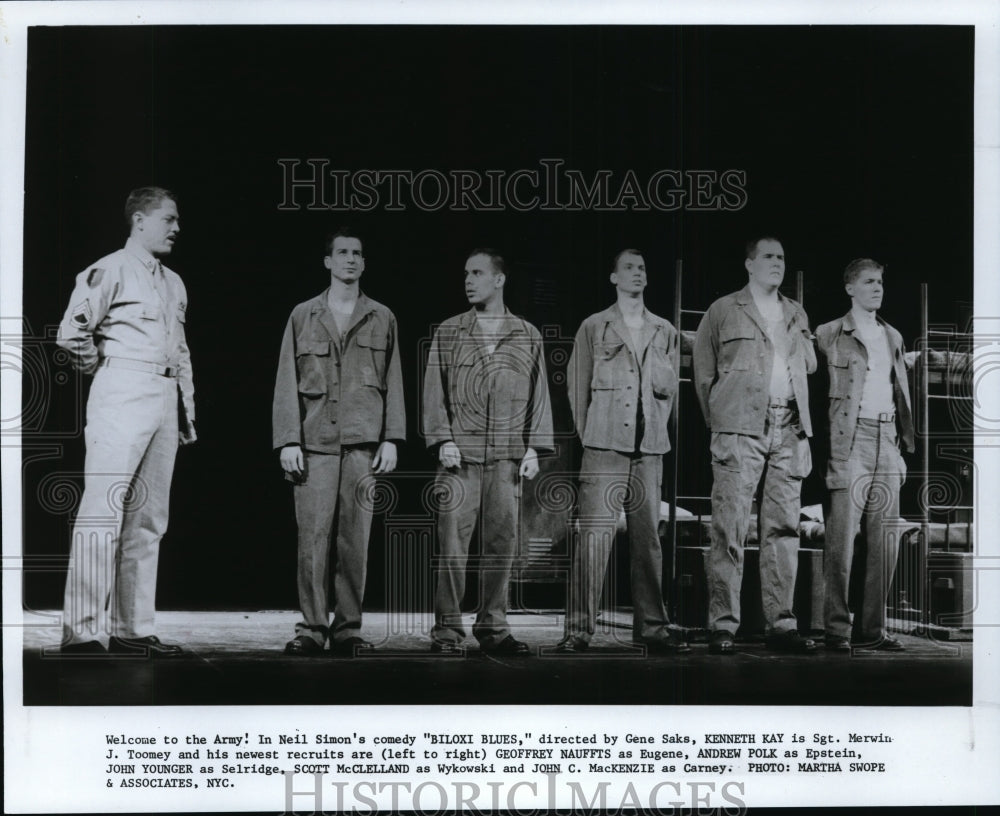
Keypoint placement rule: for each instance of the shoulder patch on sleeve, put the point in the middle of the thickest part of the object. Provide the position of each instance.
(82, 313)
(95, 276)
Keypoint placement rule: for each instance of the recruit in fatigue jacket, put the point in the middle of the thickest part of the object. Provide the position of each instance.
(337, 396)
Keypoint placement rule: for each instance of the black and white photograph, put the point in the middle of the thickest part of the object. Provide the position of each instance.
(466, 410)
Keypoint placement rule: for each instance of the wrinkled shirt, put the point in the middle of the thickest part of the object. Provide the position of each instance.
(609, 380)
(128, 305)
(493, 406)
(847, 365)
(332, 389)
(734, 358)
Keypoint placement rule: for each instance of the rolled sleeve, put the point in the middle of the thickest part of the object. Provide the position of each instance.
(704, 362)
(540, 433)
(285, 418)
(579, 373)
(435, 422)
(394, 423)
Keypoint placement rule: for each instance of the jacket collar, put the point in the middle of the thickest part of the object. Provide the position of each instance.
(745, 298)
(851, 326)
(512, 325)
(650, 326)
(140, 253)
(319, 306)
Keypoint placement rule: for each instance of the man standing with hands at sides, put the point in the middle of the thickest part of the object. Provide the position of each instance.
(622, 382)
(752, 353)
(869, 410)
(337, 416)
(486, 411)
(125, 325)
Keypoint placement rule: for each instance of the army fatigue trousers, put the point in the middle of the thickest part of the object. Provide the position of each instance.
(131, 437)
(470, 497)
(609, 482)
(333, 490)
(873, 473)
(783, 457)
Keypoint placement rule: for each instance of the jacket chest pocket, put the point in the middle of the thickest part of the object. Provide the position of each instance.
(663, 378)
(468, 389)
(737, 343)
(840, 377)
(312, 363)
(609, 359)
(511, 391)
(139, 313)
(372, 345)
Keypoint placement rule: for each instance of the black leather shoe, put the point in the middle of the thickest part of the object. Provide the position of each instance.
(791, 642)
(446, 647)
(508, 646)
(144, 647)
(672, 644)
(888, 644)
(570, 644)
(86, 648)
(834, 643)
(303, 646)
(350, 647)
(721, 643)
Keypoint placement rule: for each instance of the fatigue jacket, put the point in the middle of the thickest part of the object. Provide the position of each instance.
(607, 382)
(733, 358)
(334, 390)
(128, 305)
(493, 406)
(847, 365)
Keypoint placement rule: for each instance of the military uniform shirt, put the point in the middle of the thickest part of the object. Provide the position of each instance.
(128, 305)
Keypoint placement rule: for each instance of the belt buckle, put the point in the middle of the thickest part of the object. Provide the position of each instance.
(169, 371)
(885, 416)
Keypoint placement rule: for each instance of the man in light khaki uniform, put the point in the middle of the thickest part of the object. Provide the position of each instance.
(125, 325)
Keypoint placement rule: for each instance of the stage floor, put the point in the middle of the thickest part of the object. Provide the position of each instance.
(235, 658)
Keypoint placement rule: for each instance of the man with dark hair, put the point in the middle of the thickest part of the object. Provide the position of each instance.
(622, 379)
(868, 412)
(486, 411)
(752, 353)
(125, 325)
(337, 415)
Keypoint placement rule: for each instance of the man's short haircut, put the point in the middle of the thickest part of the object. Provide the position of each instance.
(499, 264)
(753, 243)
(628, 251)
(342, 231)
(144, 199)
(859, 265)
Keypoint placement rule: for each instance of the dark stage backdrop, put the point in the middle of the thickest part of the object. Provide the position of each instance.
(854, 141)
